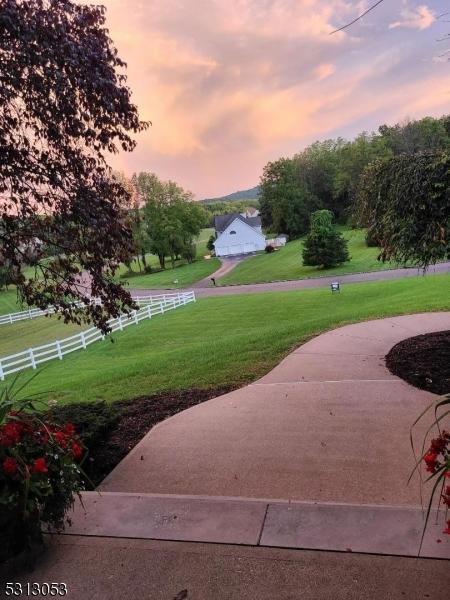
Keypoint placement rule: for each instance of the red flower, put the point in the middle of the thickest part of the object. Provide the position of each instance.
(69, 429)
(431, 461)
(77, 451)
(10, 434)
(439, 444)
(61, 439)
(448, 528)
(39, 466)
(10, 466)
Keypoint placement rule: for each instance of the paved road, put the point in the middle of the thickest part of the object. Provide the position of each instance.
(204, 289)
(330, 423)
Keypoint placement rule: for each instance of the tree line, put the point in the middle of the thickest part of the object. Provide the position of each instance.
(328, 175)
(164, 220)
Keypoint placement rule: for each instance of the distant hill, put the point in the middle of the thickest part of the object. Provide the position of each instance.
(251, 194)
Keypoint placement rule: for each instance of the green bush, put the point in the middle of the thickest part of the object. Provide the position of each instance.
(324, 245)
(92, 420)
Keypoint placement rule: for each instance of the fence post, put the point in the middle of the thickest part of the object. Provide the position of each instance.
(149, 311)
(29, 313)
(83, 341)
(33, 361)
(135, 317)
(120, 322)
(2, 375)
(10, 318)
(58, 347)
(193, 297)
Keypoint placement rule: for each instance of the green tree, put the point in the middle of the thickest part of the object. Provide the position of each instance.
(424, 135)
(285, 201)
(324, 246)
(172, 220)
(210, 244)
(405, 202)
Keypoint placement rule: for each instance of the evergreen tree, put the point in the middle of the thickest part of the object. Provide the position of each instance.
(324, 245)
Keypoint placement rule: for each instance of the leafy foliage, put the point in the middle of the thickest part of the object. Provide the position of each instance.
(210, 243)
(39, 474)
(324, 246)
(285, 202)
(64, 105)
(171, 219)
(327, 174)
(405, 201)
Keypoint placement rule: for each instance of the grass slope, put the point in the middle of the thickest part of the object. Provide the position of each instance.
(9, 302)
(27, 334)
(182, 276)
(287, 262)
(226, 340)
(186, 274)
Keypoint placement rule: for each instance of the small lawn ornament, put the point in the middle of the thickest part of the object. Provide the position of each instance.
(335, 287)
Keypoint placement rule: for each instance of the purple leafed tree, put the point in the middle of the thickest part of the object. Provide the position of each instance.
(64, 106)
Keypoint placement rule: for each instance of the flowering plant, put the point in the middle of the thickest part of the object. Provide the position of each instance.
(437, 458)
(40, 472)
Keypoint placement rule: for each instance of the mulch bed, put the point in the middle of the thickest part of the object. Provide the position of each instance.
(136, 419)
(423, 361)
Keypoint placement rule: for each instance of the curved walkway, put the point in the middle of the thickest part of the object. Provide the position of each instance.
(329, 423)
(204, 287)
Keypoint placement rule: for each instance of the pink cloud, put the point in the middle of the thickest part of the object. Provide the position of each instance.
(231, 85)
(420, 17)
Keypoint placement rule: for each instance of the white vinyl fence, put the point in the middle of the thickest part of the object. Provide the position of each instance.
(149, 307)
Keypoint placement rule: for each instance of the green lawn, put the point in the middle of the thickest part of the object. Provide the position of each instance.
(286, 263)
(226, 340)
(184, 274)
(9, 302)
(35, 332)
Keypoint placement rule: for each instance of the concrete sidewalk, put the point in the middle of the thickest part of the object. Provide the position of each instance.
(329, 424)
(115, 569)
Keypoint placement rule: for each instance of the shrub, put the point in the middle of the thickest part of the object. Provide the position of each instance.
(324, 245)
(210, 243)
(92, 420)
(39, 473)
(269, 248)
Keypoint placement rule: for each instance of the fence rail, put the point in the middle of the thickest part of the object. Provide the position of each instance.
(33, 313)
(149, 307)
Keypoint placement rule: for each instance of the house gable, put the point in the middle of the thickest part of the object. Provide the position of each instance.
(239, 238)
(236, 225)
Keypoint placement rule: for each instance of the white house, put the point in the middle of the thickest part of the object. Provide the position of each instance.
(236, 234)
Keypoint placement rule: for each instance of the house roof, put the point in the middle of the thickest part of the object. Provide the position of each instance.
(221, 222)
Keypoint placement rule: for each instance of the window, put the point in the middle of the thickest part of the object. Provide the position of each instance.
(232, 233)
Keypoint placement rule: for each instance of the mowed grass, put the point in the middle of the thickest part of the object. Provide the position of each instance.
(9, 302)
(182, 275)
(225, 340)
(22, 335)
(286, 263)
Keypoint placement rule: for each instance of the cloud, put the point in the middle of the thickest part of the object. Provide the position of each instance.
(231, 85)
(420, 17)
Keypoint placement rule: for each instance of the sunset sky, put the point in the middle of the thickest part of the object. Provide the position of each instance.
(232, 84)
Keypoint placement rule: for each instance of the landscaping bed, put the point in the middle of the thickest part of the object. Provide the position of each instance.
(110, 431)
(423, 361)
